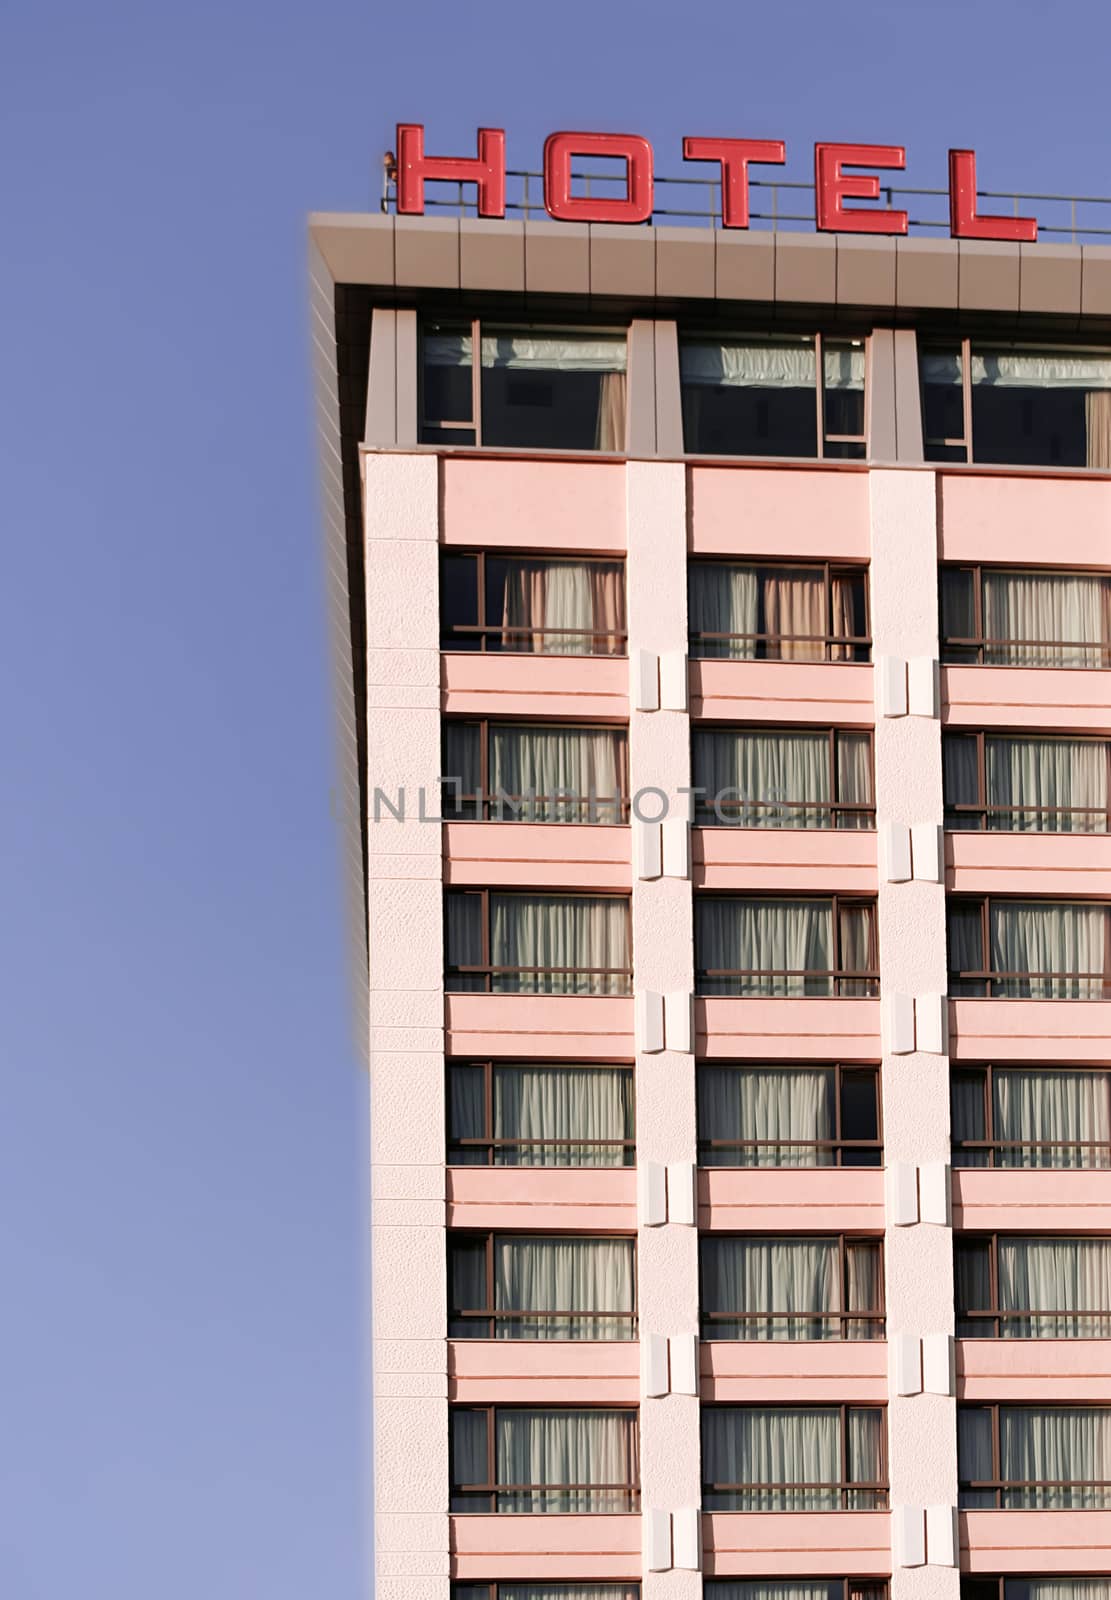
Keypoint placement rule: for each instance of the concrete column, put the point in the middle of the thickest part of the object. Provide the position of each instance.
(406, 1030)
(918, 1255)
(663, 965)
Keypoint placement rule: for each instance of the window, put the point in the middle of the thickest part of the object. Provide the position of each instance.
(803, 1589)
(537, 605)
(760, 395)
(1025, 1458)
(824, 1458)
(537, 943)
(535, 772)
(1011, 1287)
(787, 1116)
(1015, 618)
(561, 1459)
(537, 387)
(782, 778)
(1016, 405)
(748, 612)
(1028, 949)
(554, 1591)
(746, 946)
(1022, 783)
(1048, 1117)
(1060, 1586)
(517, 1286)
(539, 1115)
(791, 1288)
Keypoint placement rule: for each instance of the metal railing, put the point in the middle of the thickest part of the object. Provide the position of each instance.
(774, 203)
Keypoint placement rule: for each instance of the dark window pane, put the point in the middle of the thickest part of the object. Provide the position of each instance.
(967, 1111)
(553, 389)
(966, 949)
(972, 1265)
(961, 779)
(749, 397)
(1029, 427)
(958, 612)
(466, 1115)
(859, 1113)
(843, 363)
(459, 601)
(942, 404)
(446, 389)
(467, 1288)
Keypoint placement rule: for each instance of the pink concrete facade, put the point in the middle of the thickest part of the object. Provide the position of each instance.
(899, 521)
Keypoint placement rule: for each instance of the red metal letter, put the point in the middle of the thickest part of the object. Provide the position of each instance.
(963, 221)
(487, 169)
(734, 156)
(567, 207)
(832, 187)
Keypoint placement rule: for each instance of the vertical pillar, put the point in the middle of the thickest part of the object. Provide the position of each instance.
(663, 965)
(918, 1256)
(406, 1029)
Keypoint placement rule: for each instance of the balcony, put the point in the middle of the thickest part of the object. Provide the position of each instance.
(1001, 518)
(1035, 1541)
(838, 693)
(564, 505)
(791, 512)
(1046, 1200)
(1029, 1030)
(791, 1199)
(546, 1026)
(544, 1371)
(812, 860)
(1045, 698)
(1060, 864)
(741, 1544)
(806, 1372)
(560, 1548)
(760, 1029)
(504, 684)
(1039, 1370)
(562, 1199)
(543, 855)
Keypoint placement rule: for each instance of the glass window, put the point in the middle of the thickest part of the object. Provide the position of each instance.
(1028, 949)
(746, 946)
(739, 612)
(788, 1116)
(829, 1458)
(1011, 1287)
(789, 1288)
(1012, 618)
(760, 395)
(555, 1459)
(513, 1286)
(1028, 405)
(543, 772)
(782, 778)
(536, 605)
(1033, 1117)
(1034, 1457)
(540, 1115)
(1021, 783)
(537, 943)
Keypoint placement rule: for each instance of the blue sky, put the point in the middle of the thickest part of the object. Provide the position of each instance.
(182, 1144)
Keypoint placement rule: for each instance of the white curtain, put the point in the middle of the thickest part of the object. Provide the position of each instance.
(1042, 778)
(1062, 619)
(564, 608)
(1023, 369)
(1064, 1276)
(546, 1449)
(778, 779)
(558, 351)
(564, 1103)
(567, 1275)
(550, 932)
(750, 1446)
(760, 364)
(1065, 1446)
(775, 941)
(793, 1284)
(774, 1589)
(1033, 938)
(791, 1106)
(1057, 1589)
(724, 600)
(1042, 1107)
(556, 1591)
(557, 771)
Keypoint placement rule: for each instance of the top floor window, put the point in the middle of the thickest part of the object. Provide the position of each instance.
(1006, 617)
(1016, 405)
(542, 388)
(741, 611)
(538, 605)
(773, 395)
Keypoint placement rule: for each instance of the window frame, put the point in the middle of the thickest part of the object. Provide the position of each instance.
(837, 975)
(831, 567)
(823, 438)
(881, 1489)
(474, 425)
(987, 978)
(992, 1146)
(483, 630)
(998, 1486)
(874, 1316)
(492, 1488)
(979, 643)
(492, 1316)
(837, 1144)
(985, 808)
(993, 1315)
(494, 1586)
(488, 972)
(490, 1143)
(833, 808)
(493, 807)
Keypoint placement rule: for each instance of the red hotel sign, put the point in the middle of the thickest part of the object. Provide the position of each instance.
(833, 184)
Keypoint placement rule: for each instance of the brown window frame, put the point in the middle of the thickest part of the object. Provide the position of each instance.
(490, 1144)
(485, 631)
(875, 1316)
(491, 1488)
(984, 808)
(835, 808)
(494, 1587)
(837, 1144)
(830, 569)
(970, 651)
(868, 976)
(978, 1586)
(495, 1318)
(823, 436)
(474, 424)
(494, 806)
(991, 1316)
(488, 972)
(998, 1486)
(988, 978)
(993, 1147)
(844, 1488)
(851, 1588)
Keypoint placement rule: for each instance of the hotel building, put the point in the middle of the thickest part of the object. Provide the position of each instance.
(736, 1017)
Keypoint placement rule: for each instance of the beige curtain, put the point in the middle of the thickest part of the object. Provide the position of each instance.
(1097, 416)
(610, 432)
(841, 598)
(607, 589)
(794, 603)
